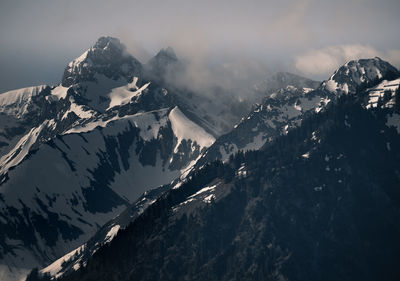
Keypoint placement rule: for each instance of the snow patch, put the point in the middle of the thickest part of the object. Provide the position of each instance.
(184, 129)
(111, 233)
(209, 198)
(17, 102)
(205, 189)
(123, 95)
(60, 92)
(79, 110)
(55, 269)
(21, 149)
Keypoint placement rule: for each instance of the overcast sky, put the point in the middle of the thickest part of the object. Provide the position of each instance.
(39, 37)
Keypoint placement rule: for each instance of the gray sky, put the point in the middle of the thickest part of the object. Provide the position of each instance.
(39, 37)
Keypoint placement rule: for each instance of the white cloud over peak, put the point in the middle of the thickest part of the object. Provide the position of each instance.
(324, 61)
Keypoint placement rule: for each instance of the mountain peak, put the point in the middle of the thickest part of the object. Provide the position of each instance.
(163, 58)
(356, 72)
(163, 63)
(106, 42)
(167, 53)
(108, 57)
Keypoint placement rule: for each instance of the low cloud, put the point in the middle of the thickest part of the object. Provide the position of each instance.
(322, 62)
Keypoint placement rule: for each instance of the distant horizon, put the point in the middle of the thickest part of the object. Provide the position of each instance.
(305, 37)
(268, 73)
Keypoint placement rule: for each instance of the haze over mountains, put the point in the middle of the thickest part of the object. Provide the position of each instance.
(119, 137)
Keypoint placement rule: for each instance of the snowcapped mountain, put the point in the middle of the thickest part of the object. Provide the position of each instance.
(280, 113)
(75, 155)
(319, 202)
(348, 77)
(107, 57)
(286, 108)
(219, 109)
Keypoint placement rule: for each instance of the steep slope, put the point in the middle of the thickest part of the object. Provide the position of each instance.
(14, 108)
(75, 155)
(76, 258)
(74, 183)
(321, 203)
(164, 65)
(107, 57)
(218, 108)
(286, 109)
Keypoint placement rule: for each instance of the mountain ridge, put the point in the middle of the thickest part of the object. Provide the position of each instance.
(262, 215)
(209, 193)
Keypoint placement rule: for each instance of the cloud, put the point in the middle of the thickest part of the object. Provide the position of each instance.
(322, 62)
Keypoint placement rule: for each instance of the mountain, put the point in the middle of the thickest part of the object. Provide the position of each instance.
(88, 156)
(320, 202)
(168, 57)
(356, 72)
(74, 156)
(76, 258)
(164, 65)
(108, 57)
(287, 107)
(281, 80)
(218, 108)
(374, 97)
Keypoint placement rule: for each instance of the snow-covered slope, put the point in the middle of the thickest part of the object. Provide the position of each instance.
(384, 92)
(279, 112)
(74, 156)
(17, 102)
(328, 189)
(286, 108)
(73, 184)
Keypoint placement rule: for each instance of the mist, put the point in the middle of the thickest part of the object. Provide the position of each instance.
(232, 44)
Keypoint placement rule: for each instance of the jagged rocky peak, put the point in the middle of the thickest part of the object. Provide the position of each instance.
(164, 62)
(108, 57)
(167, 54)
(356, 72)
